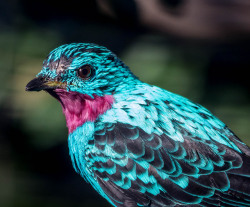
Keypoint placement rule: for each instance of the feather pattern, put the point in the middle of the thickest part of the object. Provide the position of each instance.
(184, 167)
(138, 144)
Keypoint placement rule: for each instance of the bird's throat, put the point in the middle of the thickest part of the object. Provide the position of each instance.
(79, 108)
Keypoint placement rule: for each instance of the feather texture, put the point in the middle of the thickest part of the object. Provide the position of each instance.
(140, 145)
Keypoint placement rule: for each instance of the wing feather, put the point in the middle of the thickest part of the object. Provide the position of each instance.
(156, 169)
(188, 158)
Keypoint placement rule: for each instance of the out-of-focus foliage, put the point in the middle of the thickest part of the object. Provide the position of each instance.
(35, 169)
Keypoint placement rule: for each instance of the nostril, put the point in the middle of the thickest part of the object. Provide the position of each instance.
(43, 79)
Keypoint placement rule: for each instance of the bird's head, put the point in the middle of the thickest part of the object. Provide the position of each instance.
(82, 77)
(85, 68)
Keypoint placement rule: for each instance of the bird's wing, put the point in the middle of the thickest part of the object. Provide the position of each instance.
(136, 167)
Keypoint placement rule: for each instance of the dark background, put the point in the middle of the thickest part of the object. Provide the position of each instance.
(198, 49)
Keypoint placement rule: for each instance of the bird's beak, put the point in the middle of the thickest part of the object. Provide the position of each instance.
(38, 84)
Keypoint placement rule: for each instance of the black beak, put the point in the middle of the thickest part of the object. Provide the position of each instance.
(37, 84)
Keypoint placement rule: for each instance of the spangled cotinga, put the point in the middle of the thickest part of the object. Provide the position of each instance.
(138, 144)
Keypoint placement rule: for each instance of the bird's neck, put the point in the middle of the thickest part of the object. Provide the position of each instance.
(80, 108)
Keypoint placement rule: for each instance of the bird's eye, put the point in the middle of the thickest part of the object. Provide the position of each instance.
(85, 71)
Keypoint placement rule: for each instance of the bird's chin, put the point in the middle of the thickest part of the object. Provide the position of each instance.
(67, 98)
(55, 93)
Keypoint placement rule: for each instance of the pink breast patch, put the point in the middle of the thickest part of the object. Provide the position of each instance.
(79, 108)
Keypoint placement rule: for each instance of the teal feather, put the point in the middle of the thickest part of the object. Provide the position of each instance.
(151, 147)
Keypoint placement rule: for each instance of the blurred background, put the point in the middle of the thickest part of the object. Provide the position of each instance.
(198, 49)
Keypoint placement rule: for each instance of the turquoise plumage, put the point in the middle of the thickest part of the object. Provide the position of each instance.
(138, 144)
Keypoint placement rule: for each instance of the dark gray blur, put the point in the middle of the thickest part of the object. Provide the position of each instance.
(198, 49)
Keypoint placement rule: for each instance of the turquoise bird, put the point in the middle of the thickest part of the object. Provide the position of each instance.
(138, 144)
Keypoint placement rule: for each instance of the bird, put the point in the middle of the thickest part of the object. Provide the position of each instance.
(138, 144)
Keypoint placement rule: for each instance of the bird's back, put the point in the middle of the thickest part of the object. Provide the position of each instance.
(161, 149)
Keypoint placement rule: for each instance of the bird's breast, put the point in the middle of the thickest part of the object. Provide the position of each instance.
(79, 108)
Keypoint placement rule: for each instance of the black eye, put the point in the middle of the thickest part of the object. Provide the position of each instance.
(85, 71)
